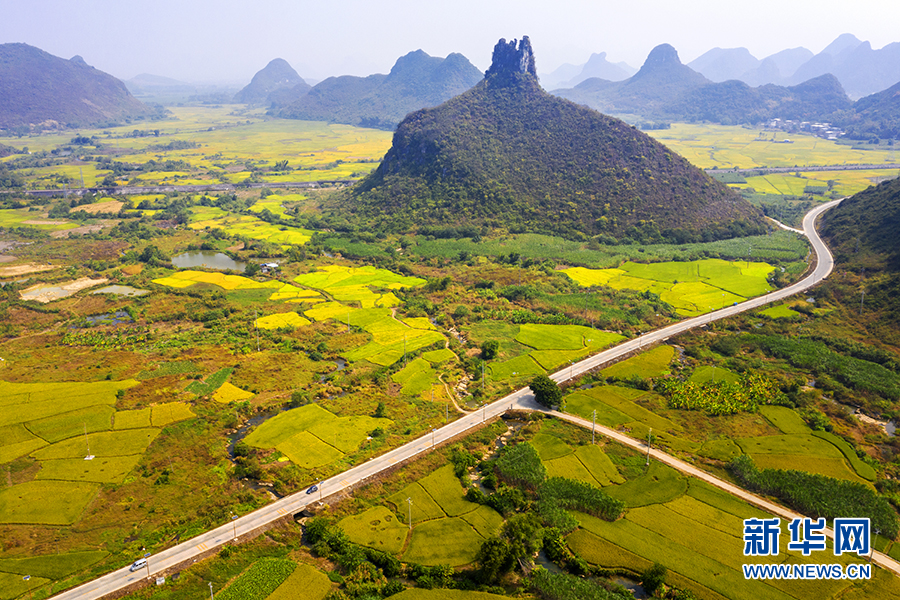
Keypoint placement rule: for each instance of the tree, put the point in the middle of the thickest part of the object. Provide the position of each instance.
(524, 534)
(653, 578)
(251, 269)
(489, 349)
(494, 559)
(379, 410)
(546, 392)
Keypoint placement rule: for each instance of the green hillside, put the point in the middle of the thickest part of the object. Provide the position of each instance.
(506, 154)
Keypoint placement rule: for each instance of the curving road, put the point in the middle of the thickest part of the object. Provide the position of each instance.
(191, 550)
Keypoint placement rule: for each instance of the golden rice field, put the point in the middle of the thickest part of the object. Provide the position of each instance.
(280, 291)
(206, 217)
(354, 284)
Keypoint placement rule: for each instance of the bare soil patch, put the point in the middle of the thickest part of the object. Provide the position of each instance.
(25, 269)
(110, 206)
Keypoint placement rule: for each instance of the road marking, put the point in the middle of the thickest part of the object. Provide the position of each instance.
(202, 547)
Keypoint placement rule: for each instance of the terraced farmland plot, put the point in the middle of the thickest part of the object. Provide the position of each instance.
(571, 468)
(550, 447)
(585, 401)
(305, 582)
(692, 287)
(520, 366)
(53, 566)
(253, 228)
(416, 377)
(308, 451)
(126, 442)
(376, 528)
(423, 507)
(444, 487)
(66, 425)
(459, 543)
(282, 426)
(46, 502)
(231, 393)
(132, 419)
(288, 320)
(110, 469)
(599, 465)
(354, 284)
(25, 402)
(170, 412)
(652, 363)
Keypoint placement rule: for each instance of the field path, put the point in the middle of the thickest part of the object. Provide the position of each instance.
(176, 558)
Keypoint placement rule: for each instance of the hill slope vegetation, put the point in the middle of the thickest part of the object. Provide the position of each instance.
(38, 88)
(506, 154)
(277, 76)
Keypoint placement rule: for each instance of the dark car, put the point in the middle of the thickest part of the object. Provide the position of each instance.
(313, 488)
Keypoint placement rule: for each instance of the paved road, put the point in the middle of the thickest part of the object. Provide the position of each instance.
(804, 169)
(523, 398)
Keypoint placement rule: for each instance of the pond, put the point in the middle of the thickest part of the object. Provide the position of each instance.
(210, 260)
(121, 290)
(116, 318)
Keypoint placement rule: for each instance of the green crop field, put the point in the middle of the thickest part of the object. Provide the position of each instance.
(354, 284)
(13, 586)
(798, 444)
(584, 406)
(308, 451)
(515, 368)
(52, 566)
(261, 579)
(347, 433)
(599, 465)
(781, 311)
(444, 487)
(659, 484)
(604, 398)
(125, 442)
(723, 450)
(459, 543)
(652, 363)
(46, 502)
(785, 419)
(570, 467)
(282, 426)
(424, 508)
(707, 373)
(423, 594)
(306, 582)
(485, 520)
(828, 466)
(438, 357)
(863, 469)
(550, 446)
(376, 528)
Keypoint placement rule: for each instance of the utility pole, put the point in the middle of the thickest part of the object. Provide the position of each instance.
(86, 443)
(432, 436)
(210, 591)
(234, 524)
(409, 501)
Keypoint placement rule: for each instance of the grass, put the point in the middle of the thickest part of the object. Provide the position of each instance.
(444, 487)
(111, 469)
(305, 582)
(785, 419)
(288, 320)
(707, 373)
(307, 451)
(179, 367)
(46, 502)
(170, 412)
(230, 393)
(376, 528)
(211, 383)
(127, 442)
(442, 594)
(659, 484)
(52, 566)
(599, 465)
(66, 425)
(459, 543)
(652, 363)
(424, 508)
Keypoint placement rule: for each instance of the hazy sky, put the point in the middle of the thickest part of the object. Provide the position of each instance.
(229, 40)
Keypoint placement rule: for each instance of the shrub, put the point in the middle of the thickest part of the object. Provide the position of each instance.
(546, 391)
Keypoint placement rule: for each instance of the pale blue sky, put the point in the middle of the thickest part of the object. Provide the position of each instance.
(229, 40)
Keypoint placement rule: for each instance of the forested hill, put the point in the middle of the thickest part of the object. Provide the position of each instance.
(415, 81)
(508, 155)
(862, 234)
(37, 87)
(276, 76)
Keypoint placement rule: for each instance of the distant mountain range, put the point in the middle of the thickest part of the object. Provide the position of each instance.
(666, 89)
(505, 154)
(278, 83)
(416, 81)
(597, 66)
(39, 89)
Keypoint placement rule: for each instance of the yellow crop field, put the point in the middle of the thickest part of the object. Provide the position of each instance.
(353, 284)
(231, 393)
(286, 320)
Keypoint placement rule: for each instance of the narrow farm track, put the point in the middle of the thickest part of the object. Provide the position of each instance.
(175, 558)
